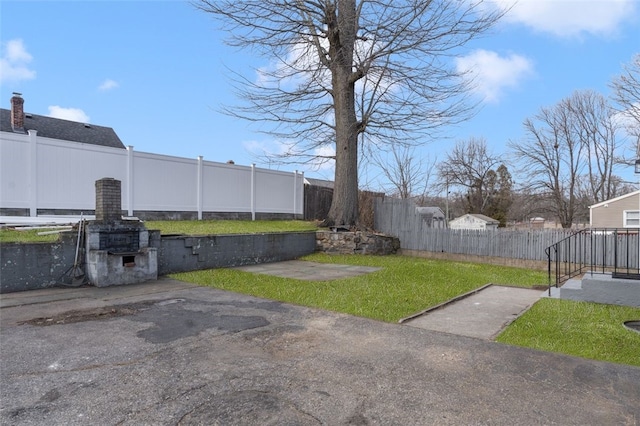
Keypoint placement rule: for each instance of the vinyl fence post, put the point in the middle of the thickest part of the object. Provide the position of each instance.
(130, 180)
(33, 173)
(199, 185)
(295, 192)
(253, 192)
(301, 198)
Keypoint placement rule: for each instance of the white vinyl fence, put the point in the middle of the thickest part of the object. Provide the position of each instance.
(49, 174)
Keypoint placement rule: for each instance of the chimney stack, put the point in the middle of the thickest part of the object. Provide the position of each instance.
(17, 112)
(108, 200)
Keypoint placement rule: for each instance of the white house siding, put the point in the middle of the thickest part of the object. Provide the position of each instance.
(610, 214)
(471, 222)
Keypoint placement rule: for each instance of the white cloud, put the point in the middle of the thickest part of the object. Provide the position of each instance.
(73, 114)
(108, 84)
(566, 18)
(629, 119)
(323, 163)
(14, 62)
(283, 152)
(493, 74)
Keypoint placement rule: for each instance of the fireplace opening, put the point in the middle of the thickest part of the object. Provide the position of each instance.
(128, 260)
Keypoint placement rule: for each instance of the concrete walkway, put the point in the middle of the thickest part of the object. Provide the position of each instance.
(483, 314)
(309, 271)
(168, 353)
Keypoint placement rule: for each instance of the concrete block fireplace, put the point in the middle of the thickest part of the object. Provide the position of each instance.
(117, 250)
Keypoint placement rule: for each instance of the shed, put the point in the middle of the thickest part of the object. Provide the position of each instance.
(432, 216)
(474, 221)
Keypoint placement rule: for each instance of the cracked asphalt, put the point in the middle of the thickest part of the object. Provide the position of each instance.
(175, 354)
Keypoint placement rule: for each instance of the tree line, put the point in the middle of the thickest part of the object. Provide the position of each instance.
(348, 80)
(564, 163)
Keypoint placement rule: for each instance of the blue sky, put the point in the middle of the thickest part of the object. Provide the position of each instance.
(156, 71)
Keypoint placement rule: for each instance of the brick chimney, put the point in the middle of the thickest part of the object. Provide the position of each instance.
(17, 112)
(108, 200)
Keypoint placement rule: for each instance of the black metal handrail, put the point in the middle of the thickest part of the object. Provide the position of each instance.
(615, 250)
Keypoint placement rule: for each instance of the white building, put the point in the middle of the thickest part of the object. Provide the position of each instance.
(474, 221)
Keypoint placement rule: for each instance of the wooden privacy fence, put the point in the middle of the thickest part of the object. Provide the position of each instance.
(401, 219)
(528, 245)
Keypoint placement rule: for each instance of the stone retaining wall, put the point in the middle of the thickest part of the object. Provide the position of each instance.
(183, 253)
(342, 242)
(32, 266)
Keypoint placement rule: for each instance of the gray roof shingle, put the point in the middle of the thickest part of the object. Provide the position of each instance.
(435, 211)
(67, 130)
(485, 218)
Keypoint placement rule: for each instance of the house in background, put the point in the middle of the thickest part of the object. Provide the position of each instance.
(537, 222)
(432, 216)
(474, 221)
(17, 121)
(619, 212)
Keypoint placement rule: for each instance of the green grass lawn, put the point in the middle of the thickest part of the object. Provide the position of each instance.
(30, 236)
(404, 285)
(206, 227)
(187, 227)
(588, 330)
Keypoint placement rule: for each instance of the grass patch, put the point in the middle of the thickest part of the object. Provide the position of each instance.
(404, 286)
(183, 227)
(30, 236)
(207, 227)
(588, 330)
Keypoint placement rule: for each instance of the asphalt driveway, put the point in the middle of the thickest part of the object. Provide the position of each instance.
(170, 353)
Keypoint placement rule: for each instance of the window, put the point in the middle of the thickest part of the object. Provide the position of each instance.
(631, 219)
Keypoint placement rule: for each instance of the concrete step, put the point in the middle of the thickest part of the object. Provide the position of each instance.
(572, 284)
(571, 290)
(555, 293)
(602, 288)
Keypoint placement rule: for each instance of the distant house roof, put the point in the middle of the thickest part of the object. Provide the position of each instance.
(435, 211)
(485, 218)
(613, 200)
(478, 216)
(67, 130)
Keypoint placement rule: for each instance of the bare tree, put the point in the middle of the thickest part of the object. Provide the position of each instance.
(408, 175)
(551, 159)
(346, 71)
(597, 129)
(564, 143)
(470, 165)
(626, 93)
(526, 205)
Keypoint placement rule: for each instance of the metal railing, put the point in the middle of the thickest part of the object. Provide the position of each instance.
(613, 250)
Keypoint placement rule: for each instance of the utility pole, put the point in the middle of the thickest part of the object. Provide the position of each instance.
(446, 204)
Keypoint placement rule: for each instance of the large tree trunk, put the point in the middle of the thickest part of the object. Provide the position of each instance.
(342, 30)
(344, 205)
